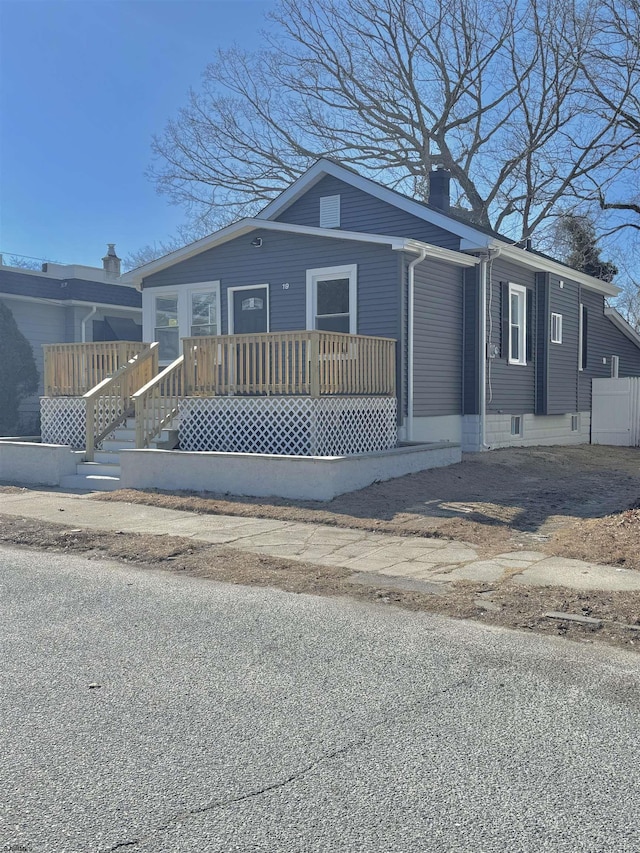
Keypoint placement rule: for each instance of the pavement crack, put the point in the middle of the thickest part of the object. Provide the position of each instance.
(391, 717)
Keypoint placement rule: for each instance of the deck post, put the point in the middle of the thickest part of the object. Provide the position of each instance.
(314, 364)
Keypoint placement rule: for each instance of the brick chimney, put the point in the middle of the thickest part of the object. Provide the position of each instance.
(111, 262)
(439, 181)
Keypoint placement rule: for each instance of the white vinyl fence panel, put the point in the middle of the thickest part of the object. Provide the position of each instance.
(615, 418)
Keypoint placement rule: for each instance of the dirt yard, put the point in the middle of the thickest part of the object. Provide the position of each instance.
(581, 502)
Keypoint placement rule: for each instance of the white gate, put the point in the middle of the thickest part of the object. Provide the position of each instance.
(615, 416)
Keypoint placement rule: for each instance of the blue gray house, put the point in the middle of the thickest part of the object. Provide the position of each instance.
(69, 303)
(491, 344)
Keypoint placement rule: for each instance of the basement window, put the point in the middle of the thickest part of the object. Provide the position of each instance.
(516, 425)
(575, 423)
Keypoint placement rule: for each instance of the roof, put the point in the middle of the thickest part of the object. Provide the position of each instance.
(473, 238)
(246, 226)
(618, 320)
(25, 284)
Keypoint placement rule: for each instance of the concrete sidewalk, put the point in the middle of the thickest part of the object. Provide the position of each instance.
(433, 563)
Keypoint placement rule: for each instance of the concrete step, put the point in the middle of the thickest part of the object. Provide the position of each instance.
(92, 469)
(107, 457)
(167, 440)
(112, 445)
(123, 433)
(94, 482)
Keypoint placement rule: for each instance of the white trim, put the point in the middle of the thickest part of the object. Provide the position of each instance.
(349, 271)
(615, 366)
(183, 294)
(618, 320)
(521, 324)
(557, 339)
(232, 290)
(246, 226)
(534, 261)
(204, 287)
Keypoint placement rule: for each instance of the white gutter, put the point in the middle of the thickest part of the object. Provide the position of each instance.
(84, 323)
(410, 314)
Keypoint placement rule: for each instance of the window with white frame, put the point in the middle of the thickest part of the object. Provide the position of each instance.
(172, 313)
(204, 313)
(166, 327)
(332, 299)
(517, 324)
(556, 328)
(615, 366)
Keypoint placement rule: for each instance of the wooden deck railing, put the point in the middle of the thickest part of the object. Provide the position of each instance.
(309, 363)
(156, 403)
(110, 402)
(70, 370)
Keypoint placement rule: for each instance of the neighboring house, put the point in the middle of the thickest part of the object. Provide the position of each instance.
(496, 345)
(69, 303)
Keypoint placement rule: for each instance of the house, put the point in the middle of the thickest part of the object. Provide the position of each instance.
(339, 252)
(69, 303)
(342, 319)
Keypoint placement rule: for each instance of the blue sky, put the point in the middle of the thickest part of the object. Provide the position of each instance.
(84, 84)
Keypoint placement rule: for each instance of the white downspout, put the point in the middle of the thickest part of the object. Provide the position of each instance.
(482, 355)
(84, 323)
(410, 312)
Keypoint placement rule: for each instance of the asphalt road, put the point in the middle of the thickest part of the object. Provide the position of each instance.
(236, 719)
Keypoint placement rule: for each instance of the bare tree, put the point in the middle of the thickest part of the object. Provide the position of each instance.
(611, 67)
(487, 88)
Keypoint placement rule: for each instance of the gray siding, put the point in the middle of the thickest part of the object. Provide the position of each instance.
(562, 381)
(471, 339)
(286, 258)
(437, 339)
(510, 387)
(40, 324)
(603, 341)
(360, 211)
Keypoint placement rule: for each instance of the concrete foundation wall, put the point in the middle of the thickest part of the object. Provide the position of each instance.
(261, 475)
(36, 464)
(438, 428)
(536, 430)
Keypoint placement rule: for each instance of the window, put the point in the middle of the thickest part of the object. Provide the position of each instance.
(331, 299)
(204, 313)
(556, 328)
(330, 211)
(575, 423)
(582, 338)
(517, 324)
(615, 366)
(516, 425)
(166, 327)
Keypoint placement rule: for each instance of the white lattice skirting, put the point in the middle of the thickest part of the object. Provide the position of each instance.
(289, 426)
(64, 419)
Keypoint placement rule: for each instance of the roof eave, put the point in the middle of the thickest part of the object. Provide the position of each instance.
(618, 320)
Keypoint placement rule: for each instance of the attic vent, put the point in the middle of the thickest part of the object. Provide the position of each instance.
(330, 211)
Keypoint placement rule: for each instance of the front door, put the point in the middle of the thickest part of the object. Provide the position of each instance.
(250, 311)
